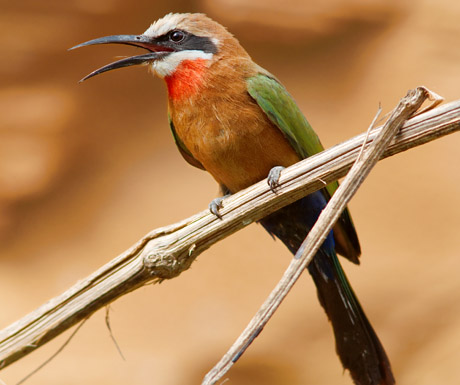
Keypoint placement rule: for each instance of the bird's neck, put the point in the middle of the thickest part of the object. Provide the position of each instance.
(187, 79)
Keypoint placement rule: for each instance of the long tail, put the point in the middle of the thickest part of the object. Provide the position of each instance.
(357, 343)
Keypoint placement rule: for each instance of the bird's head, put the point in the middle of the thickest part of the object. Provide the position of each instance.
(172, 41)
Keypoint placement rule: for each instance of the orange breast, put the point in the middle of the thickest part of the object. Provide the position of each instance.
(186, 80)
(230, 135)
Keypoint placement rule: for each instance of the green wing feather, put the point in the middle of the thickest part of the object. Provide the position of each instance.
(283, 112)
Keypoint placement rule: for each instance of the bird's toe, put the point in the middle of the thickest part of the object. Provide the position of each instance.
(215, 206)
(273, 177)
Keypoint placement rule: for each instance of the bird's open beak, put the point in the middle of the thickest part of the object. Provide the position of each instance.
(142, 41)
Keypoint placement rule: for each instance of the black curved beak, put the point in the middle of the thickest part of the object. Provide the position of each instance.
(142, 41)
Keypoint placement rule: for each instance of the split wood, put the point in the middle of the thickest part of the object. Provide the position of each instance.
(328, 217)
(166, 252)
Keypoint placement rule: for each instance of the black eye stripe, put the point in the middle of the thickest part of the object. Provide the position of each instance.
(188, 41)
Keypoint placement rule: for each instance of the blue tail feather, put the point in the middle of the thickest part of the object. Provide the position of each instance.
(357, 343)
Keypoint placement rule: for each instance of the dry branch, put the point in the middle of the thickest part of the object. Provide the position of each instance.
(166, 252)
(326, 220)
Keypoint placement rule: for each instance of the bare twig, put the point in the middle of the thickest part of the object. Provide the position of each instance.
(107, 323)
(55, 354)
(166, 252)
(368, 132)
(315, 238)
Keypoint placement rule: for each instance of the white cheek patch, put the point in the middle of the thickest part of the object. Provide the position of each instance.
(166, 66)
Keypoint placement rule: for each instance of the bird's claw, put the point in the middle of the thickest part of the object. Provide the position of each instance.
(273, 177)
(215, 206)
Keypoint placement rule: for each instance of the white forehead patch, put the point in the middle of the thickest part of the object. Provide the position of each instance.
(165, 24)
(166, 66)
(171, 22)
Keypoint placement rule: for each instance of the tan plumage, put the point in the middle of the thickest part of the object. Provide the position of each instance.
(230, 136)
(219, 123)
(232, 118)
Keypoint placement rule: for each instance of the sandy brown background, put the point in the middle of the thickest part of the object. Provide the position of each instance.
(87, 169)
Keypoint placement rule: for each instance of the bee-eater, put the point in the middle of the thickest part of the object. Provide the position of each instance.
(234, 119)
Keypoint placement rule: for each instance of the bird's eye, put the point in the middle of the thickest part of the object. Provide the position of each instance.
(176, 36)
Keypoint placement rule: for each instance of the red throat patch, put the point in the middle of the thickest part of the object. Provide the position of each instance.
(186, 79)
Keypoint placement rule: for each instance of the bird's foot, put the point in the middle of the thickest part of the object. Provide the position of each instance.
(273, 177)
(216, 205)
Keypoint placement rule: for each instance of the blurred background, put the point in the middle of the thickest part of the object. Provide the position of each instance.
(87, 169)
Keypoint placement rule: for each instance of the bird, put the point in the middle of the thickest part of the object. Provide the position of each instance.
(234, 119)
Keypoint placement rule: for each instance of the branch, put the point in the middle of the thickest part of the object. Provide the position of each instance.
(326, 220)
(166, 252)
